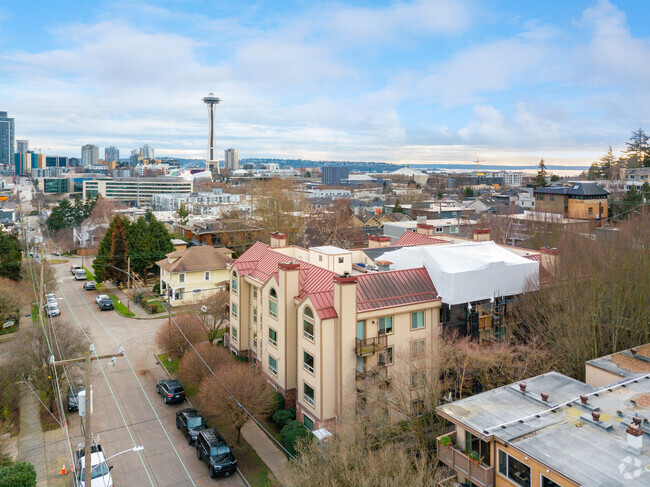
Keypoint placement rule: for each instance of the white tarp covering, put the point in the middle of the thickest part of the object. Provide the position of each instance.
(470, 271)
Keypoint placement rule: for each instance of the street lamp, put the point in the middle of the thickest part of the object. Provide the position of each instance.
(135, 448)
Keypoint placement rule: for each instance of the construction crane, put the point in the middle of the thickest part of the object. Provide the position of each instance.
(477, 161)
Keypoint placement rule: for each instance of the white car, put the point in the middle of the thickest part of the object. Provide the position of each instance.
(101, 298)
(80, 275)
(52, 309)
(50, 297)
(100, 472)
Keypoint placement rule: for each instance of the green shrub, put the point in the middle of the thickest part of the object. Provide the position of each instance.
(292, 433)
(278, 402)
(19, 474)
(283, 416)
(156, 288)
(154, 308)
(241, 358)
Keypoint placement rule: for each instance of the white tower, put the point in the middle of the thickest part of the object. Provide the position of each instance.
(211, 163)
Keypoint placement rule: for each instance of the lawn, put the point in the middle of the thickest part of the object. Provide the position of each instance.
(34, 312)
(58, 261)
(121, 307)
(89, 275)
(171, 366)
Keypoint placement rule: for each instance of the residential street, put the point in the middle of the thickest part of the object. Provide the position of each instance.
(127, 410)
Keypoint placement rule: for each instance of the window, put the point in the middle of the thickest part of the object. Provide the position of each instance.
(386, 325)
(307, 421)
(320, 258)
(273, 337)
(386, 357)
(546, 482)
(552, 197)
(234, 310)
(417, 320)
(273, 365)
(273, 303)
(255, 292)
(417, 349)
(438, 229)
(453, 229)
(540, 197)
(254, 339)
(233, 286)
(181, 277)
(308, 394)
(206, 275)
(513, 469)
(308, 362)
(233, 333)
(308, 324)
(590, 210)
(417, 407)
(417, 379)
(341, 259)
(254, 315)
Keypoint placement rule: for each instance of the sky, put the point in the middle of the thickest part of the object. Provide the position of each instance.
(423, 81)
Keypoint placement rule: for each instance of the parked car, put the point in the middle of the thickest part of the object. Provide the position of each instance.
(106, 304)
(213, 450)
(52, 309)
(90, 285)
(101, 298)
(190, 422)
(73, 396)
(75, 268)
(50, 297)
(80, 275)
(100, 472)
(171, 390)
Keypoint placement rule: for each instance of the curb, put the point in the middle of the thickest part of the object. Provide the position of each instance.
(155, 356)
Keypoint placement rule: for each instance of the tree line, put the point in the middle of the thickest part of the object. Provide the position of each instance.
(636, 154)
(70, 215)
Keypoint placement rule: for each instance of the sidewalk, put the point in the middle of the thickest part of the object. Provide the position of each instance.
(140, 313)
(266, 449)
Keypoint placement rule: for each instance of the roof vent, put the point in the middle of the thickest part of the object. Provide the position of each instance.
(633, 351)
(636, 420)
(595, 415)
(583, 399)
(522, 386)
(544, 396)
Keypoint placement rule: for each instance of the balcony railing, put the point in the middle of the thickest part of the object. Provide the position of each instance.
(456, 460)
(368, 346)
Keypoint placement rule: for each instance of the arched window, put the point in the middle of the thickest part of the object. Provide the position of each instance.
(234, 282)
(273, 303)
(308, 324)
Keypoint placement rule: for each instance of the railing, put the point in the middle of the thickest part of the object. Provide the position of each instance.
(370, 372)
(456, 460)
(368, 346)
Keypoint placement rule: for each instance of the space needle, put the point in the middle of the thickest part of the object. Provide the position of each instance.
(211, 163)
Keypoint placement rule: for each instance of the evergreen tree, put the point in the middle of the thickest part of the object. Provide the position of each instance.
(555, 178)
(10, 256)
(182, 214)
(398, 208)
(469, 192)
(638, 149)
(540, 179)
(149, 241)
(608, 169)
(101, 261)
(118, 253)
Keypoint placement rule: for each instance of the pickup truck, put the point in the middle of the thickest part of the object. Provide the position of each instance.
(100, 472)
(75, 268)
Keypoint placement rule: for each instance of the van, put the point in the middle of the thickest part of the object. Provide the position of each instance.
(80, 275)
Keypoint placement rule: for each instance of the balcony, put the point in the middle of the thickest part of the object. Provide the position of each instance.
(372, 372)
(458, 461)
(368, 346)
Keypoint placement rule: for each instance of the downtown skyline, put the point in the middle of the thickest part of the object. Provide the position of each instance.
(411, 82)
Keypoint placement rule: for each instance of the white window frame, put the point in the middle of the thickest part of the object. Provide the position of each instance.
(233, 310)
(233, 333)
(311, 401)
(271, 369)
(306, 366)
(181, 278)
(392, 324)
(424, 324)
(273, 314)
(273, 342)
(307, 319)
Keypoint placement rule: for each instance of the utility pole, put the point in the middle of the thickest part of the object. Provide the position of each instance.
(87, 361)
(128, 291)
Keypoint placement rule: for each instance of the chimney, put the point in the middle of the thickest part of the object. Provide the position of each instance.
(425, 229)
(383, 265)
(522, 386)
(481, 234)
(421, 219)
(549, 258)
(278, 240)
(583, 399)
(635, 435)
(595, 415)
(378, 241)
(544, 396)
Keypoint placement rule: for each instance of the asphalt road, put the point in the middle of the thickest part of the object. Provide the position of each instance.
(127, 411)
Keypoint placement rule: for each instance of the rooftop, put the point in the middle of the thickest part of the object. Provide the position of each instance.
(197, 258)
(330, 250)
(579, 188)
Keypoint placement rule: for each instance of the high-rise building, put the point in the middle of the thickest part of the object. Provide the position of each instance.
(90, 155)
(111, 154)
(7, 139)
(146, 152)
(333, 175)
(22, 146)
(135, 157)
(232, 159)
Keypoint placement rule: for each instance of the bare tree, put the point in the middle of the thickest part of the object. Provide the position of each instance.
(172, 337)
(213, 312)
(14, 295)
(192, 369)
(279, 207)
(249, 388)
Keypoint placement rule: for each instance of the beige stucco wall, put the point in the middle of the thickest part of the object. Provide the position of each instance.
(580, 208)
(195, 280)
(597, 377)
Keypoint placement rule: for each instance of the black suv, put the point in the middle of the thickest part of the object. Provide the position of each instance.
(106, 304)
(73, 396)
(171, 391)
(213, 450)
(190, 422)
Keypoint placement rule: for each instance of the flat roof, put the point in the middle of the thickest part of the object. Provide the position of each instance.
(330, 250)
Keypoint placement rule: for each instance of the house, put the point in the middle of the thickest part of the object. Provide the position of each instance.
(322, 320)
(482, 204)
(580, 200)
(451, 226)
(194, 273)
(555, 431)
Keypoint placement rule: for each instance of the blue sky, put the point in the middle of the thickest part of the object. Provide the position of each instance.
(438, 81)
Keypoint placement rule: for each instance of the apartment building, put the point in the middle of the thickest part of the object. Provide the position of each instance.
(318, 321)
(555, 431)
(138, 191)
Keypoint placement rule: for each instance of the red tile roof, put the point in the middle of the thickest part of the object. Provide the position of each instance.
(414, 238)
(394, 288)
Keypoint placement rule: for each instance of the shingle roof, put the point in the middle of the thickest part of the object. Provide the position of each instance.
(196, 258)
(574, 189)
(414, 238)
(394, 288)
